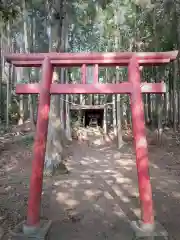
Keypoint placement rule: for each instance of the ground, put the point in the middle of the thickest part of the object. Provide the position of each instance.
(98, 195)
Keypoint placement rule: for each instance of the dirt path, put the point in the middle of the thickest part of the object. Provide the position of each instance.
(99, 196)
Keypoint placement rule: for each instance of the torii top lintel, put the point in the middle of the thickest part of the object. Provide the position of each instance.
(102, 59)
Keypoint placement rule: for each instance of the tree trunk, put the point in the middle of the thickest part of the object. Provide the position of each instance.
(56, 136)
(7, 99)
(114, 111)
(21, 100)
(105, 119)
(67, 97)
(8, 79)
(175, 101)
(90, 78)
(1, 71)
(169, 99)
(178, 110)
(27, 48)
(119, 122)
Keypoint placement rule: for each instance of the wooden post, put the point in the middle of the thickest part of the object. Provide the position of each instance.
(140, 143)
(33, 217)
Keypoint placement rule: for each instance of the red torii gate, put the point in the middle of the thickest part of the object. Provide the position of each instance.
(134, 87)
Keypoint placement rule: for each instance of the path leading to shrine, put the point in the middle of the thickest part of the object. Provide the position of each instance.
(98, 197)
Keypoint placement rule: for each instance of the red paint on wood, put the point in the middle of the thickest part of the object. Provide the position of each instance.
(33, 216)
(96, 74)
(153, 87)
(140, 142)
(27, 63)
(109, 88)
(78, 63)
(90, 88)
(83, 73)
(30, 88)
(91, 56)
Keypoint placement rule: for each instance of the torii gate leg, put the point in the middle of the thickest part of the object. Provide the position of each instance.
(140, 143)
(146, 227)
(33, 216)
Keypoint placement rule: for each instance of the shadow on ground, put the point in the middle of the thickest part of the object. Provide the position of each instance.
(99, 197)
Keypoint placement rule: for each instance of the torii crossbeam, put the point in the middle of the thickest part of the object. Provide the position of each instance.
(134, 87)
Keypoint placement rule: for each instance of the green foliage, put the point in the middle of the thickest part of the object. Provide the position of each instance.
(98, 25)
(28, 140)
(14, 114)
(8, 10)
